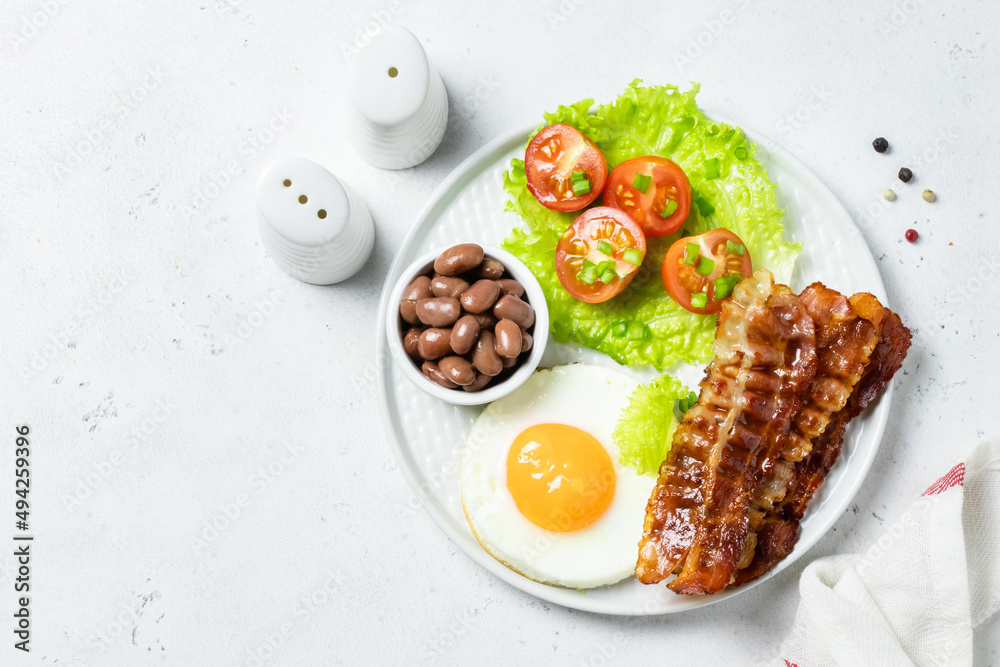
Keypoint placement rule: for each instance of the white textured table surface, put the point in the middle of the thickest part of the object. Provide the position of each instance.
(173, 378)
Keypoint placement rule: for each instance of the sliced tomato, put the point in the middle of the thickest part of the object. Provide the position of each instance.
(599, 254)
(565, 170)
(689, 273)
(650, 205)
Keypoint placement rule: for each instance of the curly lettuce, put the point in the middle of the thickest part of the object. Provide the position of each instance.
(643, 325)
(646, 426)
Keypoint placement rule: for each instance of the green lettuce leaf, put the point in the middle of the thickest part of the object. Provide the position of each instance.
(643, 325)
(646, 426)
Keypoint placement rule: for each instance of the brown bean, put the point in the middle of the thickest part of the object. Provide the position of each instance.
(458, 370)
(481, 296)
(410, 341)
(448, 286)
(434, 344)
(511, 308)
(486, 321)
(438, 311)
(485, 357)
(464, 334)
(510, 286)
(526, 341)
(490, 268)
(432, 371)
(509, 362)
(508, 336)
(477, 384)
(419, 288)
(459, 259)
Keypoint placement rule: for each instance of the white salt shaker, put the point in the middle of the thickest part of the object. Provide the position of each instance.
(313, 227)
(399, 103)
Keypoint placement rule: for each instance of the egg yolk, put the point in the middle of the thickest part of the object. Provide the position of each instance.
(561, 477)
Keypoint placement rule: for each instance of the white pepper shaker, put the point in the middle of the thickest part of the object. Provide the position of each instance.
(311, 224)
(399, 104)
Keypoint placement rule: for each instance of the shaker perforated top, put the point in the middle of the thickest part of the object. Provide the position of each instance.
(302, 201)
(390, 77)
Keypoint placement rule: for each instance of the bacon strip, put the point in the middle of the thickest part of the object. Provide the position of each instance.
(697, 516)
(778, 531)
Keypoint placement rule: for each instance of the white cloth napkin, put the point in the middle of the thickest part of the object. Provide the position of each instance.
(915, 597)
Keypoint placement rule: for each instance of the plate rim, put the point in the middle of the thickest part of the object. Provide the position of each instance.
(432, 505)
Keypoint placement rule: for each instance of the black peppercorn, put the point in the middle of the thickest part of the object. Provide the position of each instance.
(880, 145)
(905, 175)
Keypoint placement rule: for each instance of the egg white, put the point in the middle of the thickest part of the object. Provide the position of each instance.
(590, 398)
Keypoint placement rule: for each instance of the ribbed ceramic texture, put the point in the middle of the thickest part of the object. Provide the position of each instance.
(408, 143)
(330, 262)
(428, 435)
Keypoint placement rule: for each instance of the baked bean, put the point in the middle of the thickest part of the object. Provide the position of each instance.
(410, 341)
(477, 384)
(509, 362)
(432, 371)
(490, 268)
(486, 321)
(509, 286)
(526, 341)
(464, 334)
(448, 286)
(508, 336)
(438, 311)
(458, 370)
(512, 308)
(434, 344)
(485, 357)
(419, 288)
(481, 296)
(459, 259)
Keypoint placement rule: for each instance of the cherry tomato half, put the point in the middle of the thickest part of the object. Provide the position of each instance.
(696, 268)
(599, 254)
(565, 170)
(644, 187)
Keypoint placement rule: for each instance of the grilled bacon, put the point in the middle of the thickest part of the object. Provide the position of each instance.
(779, 528)
(697, 518)
(788, 376)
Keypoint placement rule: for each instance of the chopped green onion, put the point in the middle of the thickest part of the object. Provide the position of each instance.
(633, 256)
(618, 329)
(705, 266)
(587, 264)
(587, 275)
(608, 276)
(641, 182)
(577, 176)
(581, 187)
(724, 286)
(704, 207)
(636, 330)
(605, 247)
(712, 169)
(691, 254)
(606, 265)
(741, 153)
(736, 248)
(669, 209)
(685, 403)
(699, 300)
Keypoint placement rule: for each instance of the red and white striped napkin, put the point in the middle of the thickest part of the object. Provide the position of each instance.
(916, 596)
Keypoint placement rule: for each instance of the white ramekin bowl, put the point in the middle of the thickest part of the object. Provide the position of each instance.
(395, 329)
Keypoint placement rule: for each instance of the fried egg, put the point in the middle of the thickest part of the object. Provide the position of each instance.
(542, 487)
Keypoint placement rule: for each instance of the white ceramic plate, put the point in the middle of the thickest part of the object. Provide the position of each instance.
(427, 435)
